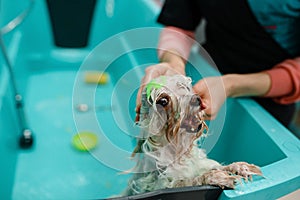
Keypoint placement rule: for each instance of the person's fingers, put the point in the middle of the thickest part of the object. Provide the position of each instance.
(150, 73)
(211, 91)
(153, 72)
(200, 87)
(208, 112)
(206, 116)
(209, 116)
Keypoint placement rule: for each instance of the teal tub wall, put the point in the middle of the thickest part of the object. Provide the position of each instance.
(9, 134)
(8, 119)
(31, 44)
(35, 39)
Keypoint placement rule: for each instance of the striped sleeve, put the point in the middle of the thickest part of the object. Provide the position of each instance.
(175, 39)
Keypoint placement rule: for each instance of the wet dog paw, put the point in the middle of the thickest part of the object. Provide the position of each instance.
(217, 177)
(243, 169)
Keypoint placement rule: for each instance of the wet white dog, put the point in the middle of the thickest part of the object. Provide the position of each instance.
(171, 120)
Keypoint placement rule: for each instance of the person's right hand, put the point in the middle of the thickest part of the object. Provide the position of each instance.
(212, 93)
(155, 71)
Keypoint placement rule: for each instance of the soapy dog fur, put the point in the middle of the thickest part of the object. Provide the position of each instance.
(171, 121)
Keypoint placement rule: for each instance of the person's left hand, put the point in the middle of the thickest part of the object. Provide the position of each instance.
(213, 95)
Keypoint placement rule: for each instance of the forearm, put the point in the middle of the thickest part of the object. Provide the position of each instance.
(238, 85)
(174, 47)
(175, 60)
(281, 83)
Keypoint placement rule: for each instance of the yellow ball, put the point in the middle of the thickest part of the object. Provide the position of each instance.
(84, 141)
(96, 77)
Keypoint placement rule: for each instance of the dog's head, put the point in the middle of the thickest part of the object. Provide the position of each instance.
(171, 113)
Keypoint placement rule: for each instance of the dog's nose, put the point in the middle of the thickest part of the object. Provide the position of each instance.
(195, 100)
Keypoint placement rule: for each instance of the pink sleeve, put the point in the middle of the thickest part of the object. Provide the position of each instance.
(285, 81)
(172, 38)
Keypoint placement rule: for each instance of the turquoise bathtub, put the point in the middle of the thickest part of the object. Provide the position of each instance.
(121, 41)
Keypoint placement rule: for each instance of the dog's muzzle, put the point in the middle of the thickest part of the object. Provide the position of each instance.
(192, 121)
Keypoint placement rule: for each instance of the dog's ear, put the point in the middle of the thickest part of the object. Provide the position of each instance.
(137, 114)
(142, 110)
(153, 113)
(157, 122)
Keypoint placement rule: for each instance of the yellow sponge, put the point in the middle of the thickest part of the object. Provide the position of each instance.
(96, 77)
(84, 141)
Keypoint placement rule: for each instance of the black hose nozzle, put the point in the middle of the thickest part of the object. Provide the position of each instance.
(26, 139)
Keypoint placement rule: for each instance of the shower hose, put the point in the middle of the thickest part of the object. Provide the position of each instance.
(26, 137)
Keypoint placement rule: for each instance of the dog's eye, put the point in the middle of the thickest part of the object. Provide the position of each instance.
(163, 101)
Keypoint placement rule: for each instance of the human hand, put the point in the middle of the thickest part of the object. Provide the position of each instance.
(215, 90)
(213, 95)
(155, 71)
